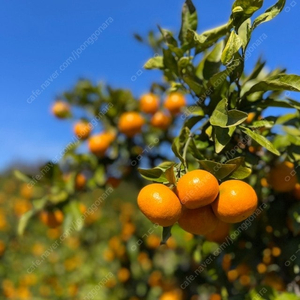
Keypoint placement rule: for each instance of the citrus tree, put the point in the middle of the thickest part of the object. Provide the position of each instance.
(227, 177)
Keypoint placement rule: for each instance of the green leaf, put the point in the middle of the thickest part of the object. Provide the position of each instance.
(72, 216)
(244, 33)
(191, 122)
(170, 175)
(212, 62)
(233, 45)
(278, 82)
(238, 161)
(270, 13)
(153, 174)
(223, 118)
(193, 150)
(157, 174)
(291, 130)
(262, 123)
(261, 140)
(154, 63)
(222, 137)
(21, 176)
(241, 173)
(189, 20)
(166, 165)
(219, 116)
(281, 141)
(243, 9)
(100, 175)
(262, 293)
(61, 196)
(193, 83)
(256, 71)
(166, 234)
(276, 103)
(286, 118)
(169, 61)
(219, 170)
(218, 79)
(294, 153)
(236, 117)
(287, 296)
(248, 7)
(168, 37)
(24, 221)
(208, 38)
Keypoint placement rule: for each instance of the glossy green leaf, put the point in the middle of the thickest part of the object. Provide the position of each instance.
(157, 174)
(219, 170)
(244, 33)
(194, 151)
(248, 7)
(259, 66)
(279, 82)
(189, 20)
(241, 172)
(243, 9)
(168, 37)
(24, 221)
(191, 122)
(166, 234)
(262, 123)
(270, 13)
(223, 118)
(154, 63)
(169, 61)
(233, 45)
(193, 83)
(208, 38)
(72, 215)
(222, 137)
(260, 140)
(212, 62)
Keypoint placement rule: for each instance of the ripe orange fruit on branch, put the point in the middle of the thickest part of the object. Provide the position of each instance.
(82, 130)
(52, 219)
(131, 123)
(296, 191)
(219, 234)
(149, 103)
(161, 120)
(61, 109)
(159, 204)
(250, 117)
(237, 201)
(198, 221)
(283, 177)
(197, 188)
(215, 297)
(80, 182)
(174, 102)
(99, 143)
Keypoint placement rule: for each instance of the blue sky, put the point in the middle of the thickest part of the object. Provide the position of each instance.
(37, 37)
